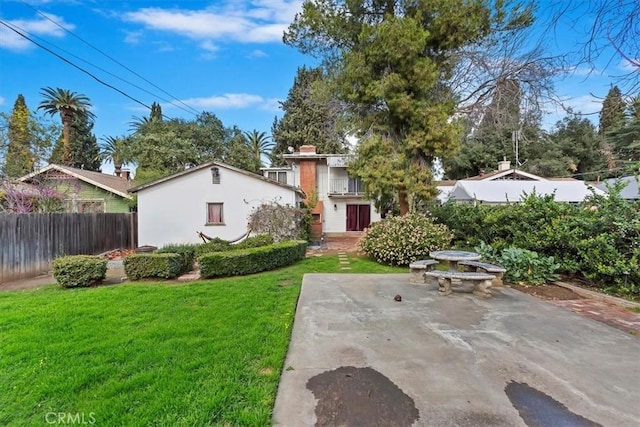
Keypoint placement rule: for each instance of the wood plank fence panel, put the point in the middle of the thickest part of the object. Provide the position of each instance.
(29, 242)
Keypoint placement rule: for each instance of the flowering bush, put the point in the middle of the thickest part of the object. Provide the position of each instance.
(404, 239)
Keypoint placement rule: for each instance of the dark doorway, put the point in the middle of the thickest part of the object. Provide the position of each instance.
(358, 217)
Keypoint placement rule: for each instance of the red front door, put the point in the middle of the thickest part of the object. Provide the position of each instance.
(358, 217)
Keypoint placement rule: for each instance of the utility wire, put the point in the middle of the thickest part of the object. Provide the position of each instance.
(108, 56)
(62, 58)
(101, 69)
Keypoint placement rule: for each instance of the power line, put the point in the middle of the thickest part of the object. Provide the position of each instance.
(108, 56)
(73, 65)
(101, 69)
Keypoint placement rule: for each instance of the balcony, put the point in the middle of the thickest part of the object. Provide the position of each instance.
(346, 187)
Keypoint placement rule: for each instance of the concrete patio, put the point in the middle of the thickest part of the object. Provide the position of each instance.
(357, 356)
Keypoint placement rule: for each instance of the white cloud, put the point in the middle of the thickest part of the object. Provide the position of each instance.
(271, 104)
(629, 66)
(133, 37)
(585, 104)
(226, 101)
(257, 54)
(41, 27)
(1, 100)
(258, 21)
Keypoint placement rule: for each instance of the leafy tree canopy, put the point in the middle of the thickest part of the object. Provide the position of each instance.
(389, 62)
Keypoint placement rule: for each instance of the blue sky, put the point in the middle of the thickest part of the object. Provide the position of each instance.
(226, 57)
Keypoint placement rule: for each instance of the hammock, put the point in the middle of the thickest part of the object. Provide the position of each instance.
(206, 238)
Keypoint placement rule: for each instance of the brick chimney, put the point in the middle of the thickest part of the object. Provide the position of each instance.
(307, 149)
(126, 175)
(308, 184)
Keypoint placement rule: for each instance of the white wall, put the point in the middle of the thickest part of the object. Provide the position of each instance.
(335, 220)
(173, 211)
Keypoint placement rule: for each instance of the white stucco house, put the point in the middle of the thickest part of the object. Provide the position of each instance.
(341, 207)
(213, 198)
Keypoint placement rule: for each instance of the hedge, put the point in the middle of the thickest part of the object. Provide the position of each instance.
(79, 270)
(252, 260)
(186, 251)
(163, 265)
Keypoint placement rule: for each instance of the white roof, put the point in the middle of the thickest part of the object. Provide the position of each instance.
(631, 188)
(443, 192)
(503, 191)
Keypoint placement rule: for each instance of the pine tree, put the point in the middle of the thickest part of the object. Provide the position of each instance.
(84, 149)
(612, 113)
(19, 160)
(309, 117)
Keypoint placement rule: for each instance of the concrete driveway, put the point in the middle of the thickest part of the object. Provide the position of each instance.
(358, 357)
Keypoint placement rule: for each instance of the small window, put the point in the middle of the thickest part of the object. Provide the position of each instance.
(215, 213)
(215, 175)
(277, 176)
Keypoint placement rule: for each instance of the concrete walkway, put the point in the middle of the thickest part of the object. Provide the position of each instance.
(427, 360)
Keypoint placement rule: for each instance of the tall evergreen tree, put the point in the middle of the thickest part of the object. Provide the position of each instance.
(390, 62)
(612, 113)
(625, 140)
(310, 117)
(20, 159)
(85, 152)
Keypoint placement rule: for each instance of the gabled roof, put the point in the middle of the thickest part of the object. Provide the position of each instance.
(503, 191)
(111, 183)
(495, 175)
(209, 165)
(631, 190)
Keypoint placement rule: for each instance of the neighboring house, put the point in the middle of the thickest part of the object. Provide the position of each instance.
(507, 185)
(630, 190)
(510, 191)
(84, 191)
(212, 198)
(338, 201)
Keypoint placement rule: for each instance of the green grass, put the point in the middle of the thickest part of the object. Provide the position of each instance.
(203, 353)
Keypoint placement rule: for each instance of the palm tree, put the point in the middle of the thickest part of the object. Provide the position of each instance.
(68, 104)
(114, 150)
(259, 143)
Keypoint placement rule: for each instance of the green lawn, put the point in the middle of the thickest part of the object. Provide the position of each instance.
(203, 353)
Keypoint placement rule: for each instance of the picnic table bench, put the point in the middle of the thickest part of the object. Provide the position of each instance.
(481, 281)
(418, 268)
(483, 267)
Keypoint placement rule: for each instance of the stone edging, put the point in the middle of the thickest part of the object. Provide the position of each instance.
(598, 296)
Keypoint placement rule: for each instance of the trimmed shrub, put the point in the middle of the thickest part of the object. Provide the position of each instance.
(404, 239)
(255, 242)
(214, 245)
(186, 251)
(79, 270)
(253, 260)
(164, 266)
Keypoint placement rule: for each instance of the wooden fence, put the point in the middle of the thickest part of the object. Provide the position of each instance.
(29, 242)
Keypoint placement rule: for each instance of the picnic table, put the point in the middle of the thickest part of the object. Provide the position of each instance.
(453, 257)
(481, 281)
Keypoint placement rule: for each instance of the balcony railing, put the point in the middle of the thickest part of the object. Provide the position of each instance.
(346, 186)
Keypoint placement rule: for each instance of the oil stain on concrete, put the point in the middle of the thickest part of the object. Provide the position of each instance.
(540, 410)
(350, 396)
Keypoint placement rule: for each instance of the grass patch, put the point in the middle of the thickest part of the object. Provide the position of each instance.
(204, 353)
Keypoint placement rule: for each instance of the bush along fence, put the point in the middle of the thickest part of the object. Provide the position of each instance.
(29, 242)
(79, 270)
